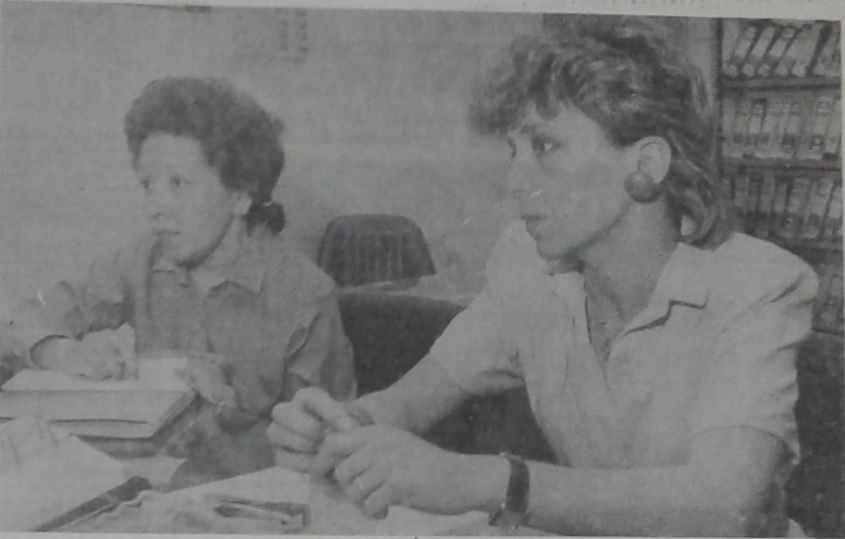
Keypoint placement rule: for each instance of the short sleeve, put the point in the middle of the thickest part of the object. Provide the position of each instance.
(751, 378)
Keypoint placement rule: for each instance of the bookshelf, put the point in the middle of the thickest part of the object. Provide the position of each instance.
(781, 163)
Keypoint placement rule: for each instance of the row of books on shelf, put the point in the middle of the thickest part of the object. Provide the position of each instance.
(827, 311)
(767, 48)
(794, 208)
(781, 125)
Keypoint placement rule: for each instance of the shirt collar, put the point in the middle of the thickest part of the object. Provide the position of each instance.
(247, 270)
(682, 281)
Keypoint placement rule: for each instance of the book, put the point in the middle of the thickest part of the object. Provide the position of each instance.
(740, 128)
(795, 207)
(727, 186)
(817, 207)
(729, 105)
(833, 136)
(833, 220)
(782, 186)
(741, 194)
(775, 114)
(805, 57)
(772, 151)
(827, 63)
(742, 47)
(787, 61)
(811, 145)
(759, 49)
(788, 143)
(764, 209)
(831, 307)
(777, 50)
(755, 126)
(755, 184)
(124, 409)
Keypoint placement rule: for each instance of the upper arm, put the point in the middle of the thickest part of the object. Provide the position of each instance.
(750, 380)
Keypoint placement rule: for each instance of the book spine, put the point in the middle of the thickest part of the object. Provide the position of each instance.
(759, 50)
(777, 50)
(812, 145)
(740, 128)
(795, 207)
(792, 132)
(808, 51)
(833, 136)
(784, 66)
(826, 64)
(833, 219)
(775, 107)
(782, 185)
(741, 50)
(727, 185)
(830, 313)
(729, 106)
(755, 185)
(816, 206)
(764, 209)
(741, 194)
(825, 275)
(755, 126)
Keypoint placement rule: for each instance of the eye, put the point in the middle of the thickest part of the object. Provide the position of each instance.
(176, 182)
(512, 147)
(145, 184)
(542, 145)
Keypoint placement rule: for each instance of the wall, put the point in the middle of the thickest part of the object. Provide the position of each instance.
(373, 122)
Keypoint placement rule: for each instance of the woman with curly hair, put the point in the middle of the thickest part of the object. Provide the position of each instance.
(213, 278)
(657, 346)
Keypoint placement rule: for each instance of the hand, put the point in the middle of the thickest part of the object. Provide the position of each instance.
(380, 466)
(300, 424)
(96, 356)
(206, 374)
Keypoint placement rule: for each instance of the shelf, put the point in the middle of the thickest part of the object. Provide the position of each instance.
(789, 164)
(811, 83)
(828, 332)
(805, 245)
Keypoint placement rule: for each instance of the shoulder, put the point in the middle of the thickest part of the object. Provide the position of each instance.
(744, 271)
(291, 273)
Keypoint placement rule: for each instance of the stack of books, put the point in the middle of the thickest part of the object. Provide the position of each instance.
(797, 207)
(828, 314)
(782, 49)
(783, 125)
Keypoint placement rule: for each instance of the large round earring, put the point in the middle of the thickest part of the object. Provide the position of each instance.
(641, 187)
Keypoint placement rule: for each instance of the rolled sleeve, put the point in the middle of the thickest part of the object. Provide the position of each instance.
(476, 350)
(320, 353)
(751, 378)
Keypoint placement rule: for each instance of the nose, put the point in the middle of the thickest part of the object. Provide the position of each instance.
(159, 201)
(520, 179)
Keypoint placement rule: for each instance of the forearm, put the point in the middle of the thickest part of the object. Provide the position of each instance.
(417, 401)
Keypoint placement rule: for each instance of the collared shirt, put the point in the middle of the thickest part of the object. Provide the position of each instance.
(714, 347)
(269, 314)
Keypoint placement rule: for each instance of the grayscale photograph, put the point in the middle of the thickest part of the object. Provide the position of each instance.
(303, 270)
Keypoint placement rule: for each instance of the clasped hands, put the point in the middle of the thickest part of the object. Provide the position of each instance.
(376, 466)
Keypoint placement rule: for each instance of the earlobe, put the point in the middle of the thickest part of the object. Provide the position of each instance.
(242, 205)
(655, 156)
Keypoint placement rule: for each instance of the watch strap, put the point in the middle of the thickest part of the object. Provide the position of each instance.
(514, 509)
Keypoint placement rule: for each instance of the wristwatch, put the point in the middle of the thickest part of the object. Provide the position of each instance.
(514, 509)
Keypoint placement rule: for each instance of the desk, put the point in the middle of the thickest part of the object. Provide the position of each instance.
(334, 518)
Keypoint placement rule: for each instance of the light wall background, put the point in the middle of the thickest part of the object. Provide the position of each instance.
(374, 121)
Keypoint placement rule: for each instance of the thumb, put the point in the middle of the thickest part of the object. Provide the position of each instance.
(321, 405)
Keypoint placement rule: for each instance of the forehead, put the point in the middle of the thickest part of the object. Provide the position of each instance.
(171, 151)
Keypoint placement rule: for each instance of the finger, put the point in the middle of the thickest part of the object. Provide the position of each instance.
(377, 503)
(328, 456)
(293, 418)
(294, 461)
(284, 438)
(362, 486)
(108, 358)
(319, 403)
(353, 466)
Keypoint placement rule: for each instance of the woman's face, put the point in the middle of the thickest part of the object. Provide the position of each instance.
(566, 181)
(186, 202)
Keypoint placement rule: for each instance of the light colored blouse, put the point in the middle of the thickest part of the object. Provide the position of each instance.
(715, 347)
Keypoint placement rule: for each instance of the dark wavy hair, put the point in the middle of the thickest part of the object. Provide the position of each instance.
(628, 76)
(238, 137)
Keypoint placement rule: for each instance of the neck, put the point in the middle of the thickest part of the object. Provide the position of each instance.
(622, 267)
(226, 252)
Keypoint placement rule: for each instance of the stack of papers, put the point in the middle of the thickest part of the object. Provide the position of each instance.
(124, 409)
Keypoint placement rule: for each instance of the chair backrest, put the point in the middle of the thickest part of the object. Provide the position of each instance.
(369, 248)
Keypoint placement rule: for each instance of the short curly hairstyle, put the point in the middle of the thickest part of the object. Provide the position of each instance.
(238, 137)
(625, 74)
